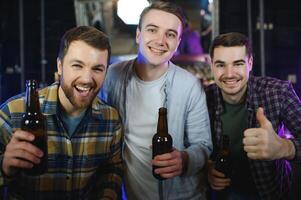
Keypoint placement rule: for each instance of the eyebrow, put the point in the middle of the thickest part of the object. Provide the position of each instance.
(219, 62)
(152, 25)
(77, 61)
(81, 62)
(99, 66)
(236, 61)
(155, 26)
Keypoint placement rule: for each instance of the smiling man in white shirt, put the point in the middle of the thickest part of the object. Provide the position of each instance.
(138, 88)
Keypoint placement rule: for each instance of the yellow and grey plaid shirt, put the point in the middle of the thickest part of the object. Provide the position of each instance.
(87, 165)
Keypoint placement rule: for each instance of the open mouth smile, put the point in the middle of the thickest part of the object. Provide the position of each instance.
(83, 90)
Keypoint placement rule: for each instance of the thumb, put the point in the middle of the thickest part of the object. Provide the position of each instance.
(261, 118)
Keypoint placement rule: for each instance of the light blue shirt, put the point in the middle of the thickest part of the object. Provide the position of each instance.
(188, 122)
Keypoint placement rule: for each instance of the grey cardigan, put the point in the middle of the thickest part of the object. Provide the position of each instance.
(188, 122)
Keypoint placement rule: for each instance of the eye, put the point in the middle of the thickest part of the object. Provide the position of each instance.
(99, 69)
(239, 64)
(171, 35)
(219, 65)
(151, 30)
(76, 66)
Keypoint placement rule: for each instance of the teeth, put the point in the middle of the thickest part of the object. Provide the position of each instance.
(83, 88)
(156, 50)
(230, 82)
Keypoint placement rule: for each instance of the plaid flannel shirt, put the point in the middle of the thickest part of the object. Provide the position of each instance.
(283, 108)
(87, 165)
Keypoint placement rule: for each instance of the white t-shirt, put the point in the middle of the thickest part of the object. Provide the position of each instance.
(144, 100)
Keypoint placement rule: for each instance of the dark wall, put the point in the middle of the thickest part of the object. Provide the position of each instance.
(282, 36)
(59, 16)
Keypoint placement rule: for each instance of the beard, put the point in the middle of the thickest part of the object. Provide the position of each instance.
(77, 101)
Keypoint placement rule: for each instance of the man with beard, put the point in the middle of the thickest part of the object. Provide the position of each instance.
(138, 88)
(261, 116)
(84, 134)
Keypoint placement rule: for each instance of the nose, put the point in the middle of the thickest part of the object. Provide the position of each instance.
(161, 38)
(87, 76)
(228, 71)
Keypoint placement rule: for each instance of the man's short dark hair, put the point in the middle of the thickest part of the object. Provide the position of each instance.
(231, 39)
(166, 7)
(87, 34)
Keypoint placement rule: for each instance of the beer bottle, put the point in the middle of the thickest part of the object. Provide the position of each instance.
(34, 122)
(222, 163)
(162, 141)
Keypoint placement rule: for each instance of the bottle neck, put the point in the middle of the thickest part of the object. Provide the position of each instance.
(225, 144)
(32, 100)
(162, 126)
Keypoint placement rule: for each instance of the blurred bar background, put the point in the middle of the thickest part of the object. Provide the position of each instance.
(30, 31)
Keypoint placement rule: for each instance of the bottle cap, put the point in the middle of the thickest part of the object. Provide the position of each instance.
(162, 110)
(31, 82)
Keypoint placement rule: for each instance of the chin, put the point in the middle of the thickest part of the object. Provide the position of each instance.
(161, 62)
(81, 105)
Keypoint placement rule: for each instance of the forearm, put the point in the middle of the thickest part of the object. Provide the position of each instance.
(291, 116)
(112, 180)
(5, 137)
(197, 131)
(1, 172)
(185, 158)
(197, 157)
(4, 179)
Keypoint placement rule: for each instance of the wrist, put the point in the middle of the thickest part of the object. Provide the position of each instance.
(288, 149)
(185, 158)
(8, 172)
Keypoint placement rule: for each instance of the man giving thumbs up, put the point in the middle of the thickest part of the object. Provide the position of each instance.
(261, 116)
(264, 143)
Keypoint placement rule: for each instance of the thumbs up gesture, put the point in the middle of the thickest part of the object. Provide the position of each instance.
(263, 143)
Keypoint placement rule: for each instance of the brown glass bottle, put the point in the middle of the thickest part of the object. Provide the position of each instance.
(222, 163)
(34, 122)
(162, 141)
